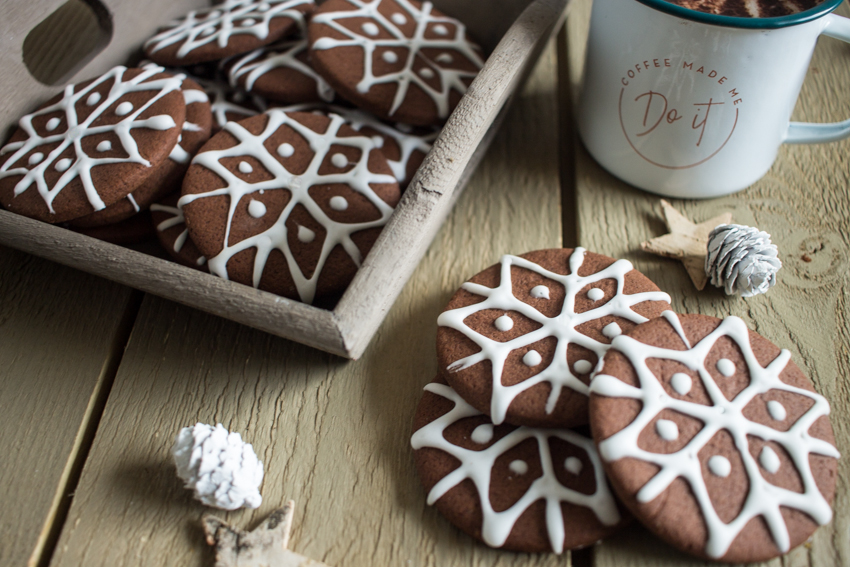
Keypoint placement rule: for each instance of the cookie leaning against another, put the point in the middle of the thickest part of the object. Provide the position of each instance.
(714, 438)
(172, 233)
(520, 340)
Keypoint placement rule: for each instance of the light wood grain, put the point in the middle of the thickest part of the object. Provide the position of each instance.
(60, 331)
(804, 204)
(333, 435)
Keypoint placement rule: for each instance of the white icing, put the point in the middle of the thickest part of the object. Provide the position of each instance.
(225, 100)
(563, 326)
(63, 164)
(595, 294)
(124, 108)
(482, 434)
(681, 383)
(77, 130)
(245, 167)
(764, 499)
(339, 160)
(398, 18)
(176, 219)
(93, 99)
(518, 467)
(369, 28)
(133, 202)
(104, 146)
(390, 56)
(256, 209)
(201, 27)
(504, 323)
(426, 73)
(477, 466)
(306, 235)
(357, 177)
(573, 465)
(540, 292)
(417, 47)
(285, 150)
(35, 158)
(719, 466)
(532, 358)
(339, 203)
(612, 330)
(667, 429)
(726, 367)
(769, 460)
(444, 58)
(582, 367)
(284, 54)
(52, 124)
(440, 29)
(776, 410)
(192, 96)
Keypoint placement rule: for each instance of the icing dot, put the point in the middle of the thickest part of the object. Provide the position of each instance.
(444, 58)
(263, 7)
(540, 292)
(518, 467)
(256, 209)
(93, 99)
(426, 73)
(63, 164)
(245, 167)
(104, 146)
(52, 124)
(667, 430)
(306, 235)
(248, 23)
(612, 330)
(504, 323)
(339, 203)
(681, 383)
(398, 19)
(208, 31)
(582, 367)
(213, 14)
(776, 410)
(370, 29)
(726, 367)
(719, 466)
(573, 465)
(406, 128)
(285, 150)
(482, 434)
(378, 141)
(124, 108)
(532, 358)
(769, 460)
(389, 56)
(440, 29)
(36, 158)
(595, 294)
(339, 160)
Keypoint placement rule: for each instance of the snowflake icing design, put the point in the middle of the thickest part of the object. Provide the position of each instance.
(477, 466)
(417, 47)
(358, 177)
(81, 166)
(764, 499)
(219, 23)
(562, 327)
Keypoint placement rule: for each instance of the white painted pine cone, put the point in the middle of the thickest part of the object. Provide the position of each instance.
(221, 469)
(741, 259)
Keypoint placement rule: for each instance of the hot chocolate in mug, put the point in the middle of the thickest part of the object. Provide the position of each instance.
(696, 105)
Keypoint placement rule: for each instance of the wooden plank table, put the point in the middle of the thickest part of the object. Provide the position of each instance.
(96, 379)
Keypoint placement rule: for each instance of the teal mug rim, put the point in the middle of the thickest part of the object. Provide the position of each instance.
(746, 23)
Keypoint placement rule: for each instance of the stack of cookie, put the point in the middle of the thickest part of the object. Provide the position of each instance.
(565, 379)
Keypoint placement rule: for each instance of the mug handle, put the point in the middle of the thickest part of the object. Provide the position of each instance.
(812, 133)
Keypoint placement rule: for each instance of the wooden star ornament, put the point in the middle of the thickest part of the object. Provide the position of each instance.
(686, 242)
(266, 546)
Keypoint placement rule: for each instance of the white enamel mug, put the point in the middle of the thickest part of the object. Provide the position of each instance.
(694, 105)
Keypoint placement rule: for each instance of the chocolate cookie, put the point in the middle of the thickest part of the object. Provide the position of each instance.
(402, 60)
(169, 176)
(172, 233)
(714, 438)
(230, 104)
(517, 488)
(288, 203)
(134, 230)
(282, 73)
(91, 146)
(519, 340)
(231, 28)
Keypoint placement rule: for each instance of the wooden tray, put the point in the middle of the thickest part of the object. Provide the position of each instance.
(524, 27)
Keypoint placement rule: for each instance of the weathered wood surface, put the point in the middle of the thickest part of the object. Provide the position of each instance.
(804, 203)
(333, 435)
(59, 329)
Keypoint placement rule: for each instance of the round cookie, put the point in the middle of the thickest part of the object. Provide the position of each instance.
(517, 488)
(91, 146)
(288, 202)
(172, 233)
(520, 340)
(134, 230)
(229, 104)
(282, 73)
(231, 28)
(402, 60)
(166, 179)
(714, 438)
